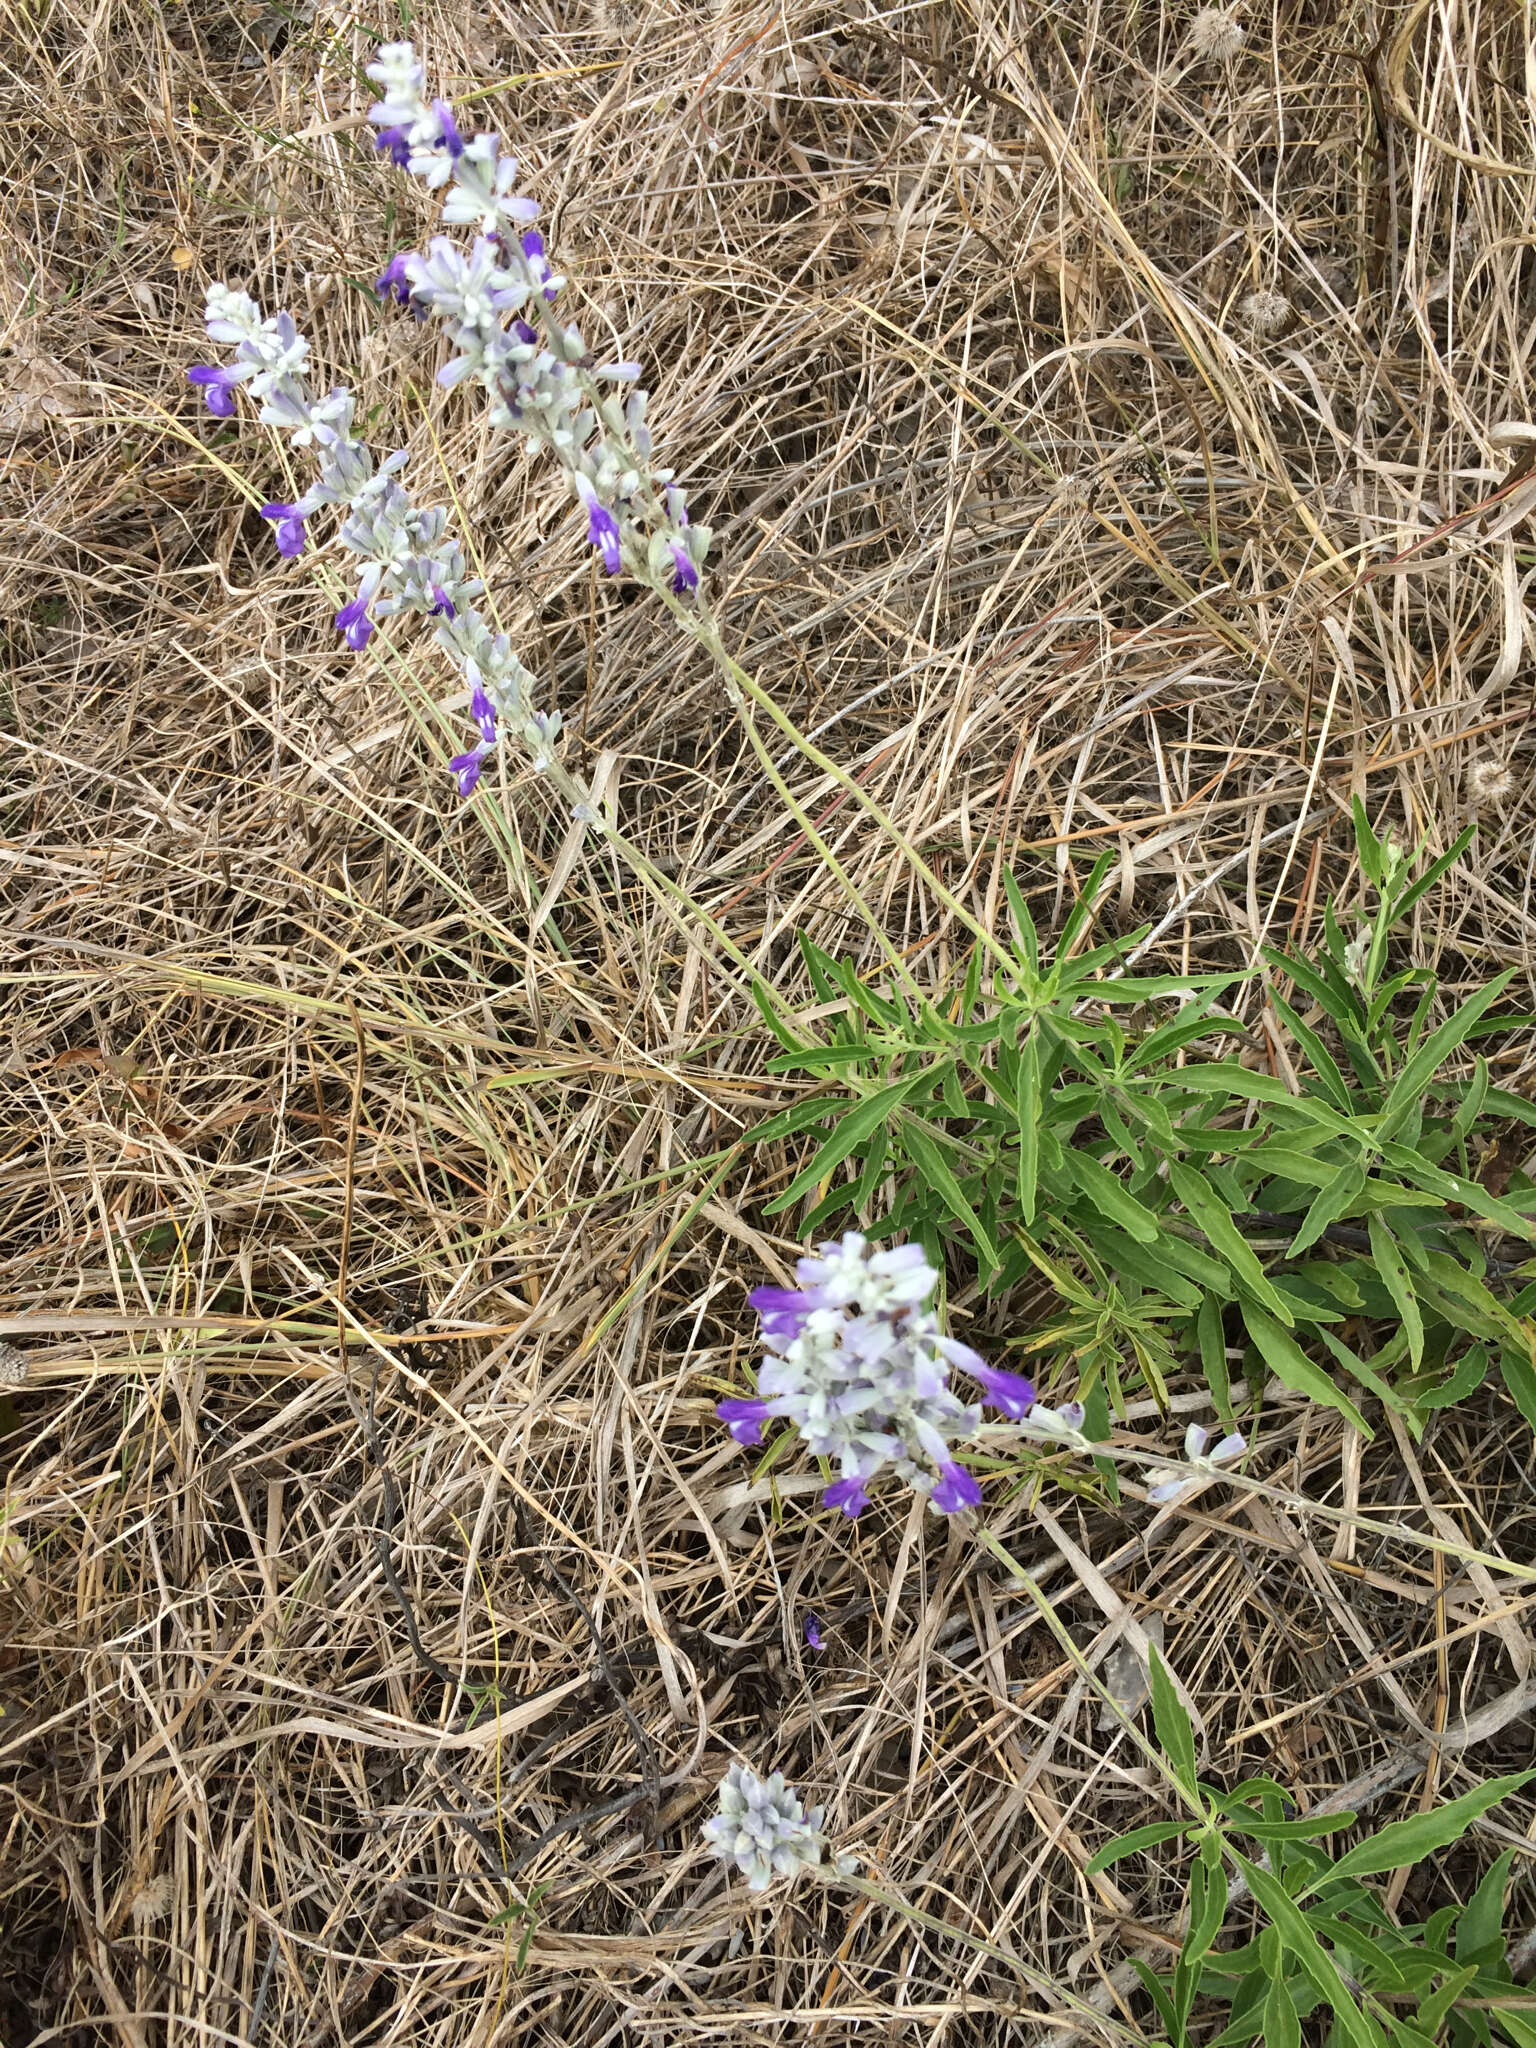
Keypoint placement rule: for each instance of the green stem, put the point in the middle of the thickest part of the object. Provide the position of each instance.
(701, 623)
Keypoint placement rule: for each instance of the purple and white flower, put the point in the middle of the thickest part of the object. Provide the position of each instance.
(288, 527)
(408, 561)
(1063, 1425)
(218, 382)
(857, 1364)
(533, 366)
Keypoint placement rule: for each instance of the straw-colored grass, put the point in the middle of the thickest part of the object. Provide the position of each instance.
(376, 1227)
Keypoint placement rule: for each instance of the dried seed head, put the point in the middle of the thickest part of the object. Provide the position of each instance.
(1489, 782)
(153, 1900)
(1215, 35)
(1266, 313)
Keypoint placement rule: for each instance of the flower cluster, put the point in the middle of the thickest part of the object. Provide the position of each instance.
(498, 302)
(858, 1365)
(409, 562)
(763, 1829)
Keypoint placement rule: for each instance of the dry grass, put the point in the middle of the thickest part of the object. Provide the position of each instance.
(1051, 386)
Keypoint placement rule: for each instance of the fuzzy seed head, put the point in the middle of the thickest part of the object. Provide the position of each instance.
(1489, 782)
(1265, 314)
(153, 1900)
(1215, 35)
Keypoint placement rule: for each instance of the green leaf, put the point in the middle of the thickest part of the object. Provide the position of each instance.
(1519, 1377)
(1212, 1339)
(1393, 1271)
(1282, 2029)
(1029, 1127)
(1298, 1940)
(1432, 874)
(1304, 1830)
(1029, 938)
(1367, 845)
(930, 1161)
(1451, 1188)
(1226, 1077)
(1471, 1107)
(1154, 1988)
(1207, 1902)
(1194, 1263)
(1172, 1724)
(800, 1116)
(1147, 1266)
(1367, 1375)
(1291, 1365)
(1215, 1219)
(1106, 1193)
(1502, 1103)
(1080, 917)
(1324, 1065)
(851, 1132)
(1521, 2031)
(1480, 1929)
(1334, 1202)
(1403, 1842)
(1471, 1370)
(768, 1008)
(1146, 1837)
(1450, 1278)
(1407, 1091)
(1285, 1163)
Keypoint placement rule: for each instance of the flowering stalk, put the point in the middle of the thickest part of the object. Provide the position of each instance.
(499, 305)
(268, 358)
(409, 562)
(539, 379)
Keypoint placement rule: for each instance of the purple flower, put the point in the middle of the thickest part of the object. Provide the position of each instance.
(466, 770)
(812, 1632)
(684, 575)
(449, 127)
(956, 1489)
(355, 624)
(1009, 1391)
(847, 1494)
(783, 1310)
(602, 528)
(394, 281)
(538, 263)
(288, 528)
(442, 605)
(218, 387)
(744, 1419)
(394, 140)
(483, 712)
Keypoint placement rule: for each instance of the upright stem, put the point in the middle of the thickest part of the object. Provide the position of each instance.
(703, 626)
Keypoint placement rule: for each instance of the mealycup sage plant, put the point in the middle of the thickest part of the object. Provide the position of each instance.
(854, 1357)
